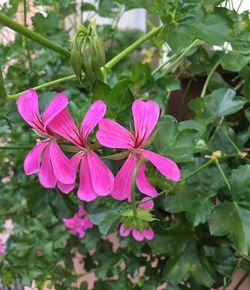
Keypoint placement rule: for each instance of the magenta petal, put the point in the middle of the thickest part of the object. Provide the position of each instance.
(46, 173)
(146, 204)
(33, 159)
(148, 234)
(146, 115)
(102, 178)
(64, 125)
(124, 233)
(58, 104)
(113, 135)
(63, 168)
(93, 116)
(137, 235)
(123, 179)
(167, 167)
(65, 188)
(143, 184)
(27, 105)
(85, 191)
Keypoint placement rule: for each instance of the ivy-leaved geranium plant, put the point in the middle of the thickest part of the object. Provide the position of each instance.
(134, 163)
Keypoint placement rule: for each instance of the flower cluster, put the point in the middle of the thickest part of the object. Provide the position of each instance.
(79, 223)
(57, 126)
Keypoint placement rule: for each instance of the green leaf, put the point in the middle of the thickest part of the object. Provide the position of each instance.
(222, 102)
(118, 99)
(106, 214)
(230, 219)
(233, 61)
(174, 143)
(240, 185)
(190, 263)
(219, 103)
(197, 206)
(214, 27)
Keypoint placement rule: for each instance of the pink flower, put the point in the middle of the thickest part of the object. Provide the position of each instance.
(113, 135)
(148, 234)
(79, 223)
(2, 250)
(55, 168)
(95, 177)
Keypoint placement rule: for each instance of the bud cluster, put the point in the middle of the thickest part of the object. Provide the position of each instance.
(87, 53)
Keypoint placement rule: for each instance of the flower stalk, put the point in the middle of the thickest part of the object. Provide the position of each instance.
(107, 66)
(5, 20)
(133, 199)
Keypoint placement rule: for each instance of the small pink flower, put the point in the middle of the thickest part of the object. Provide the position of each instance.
(95, 177)
(79, 223)
(113, 135)
(2, 250)
(148, 234)
(55, 168)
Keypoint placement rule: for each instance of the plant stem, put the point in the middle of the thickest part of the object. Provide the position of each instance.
(133, 200)
(109, 64)
(152, 198)
(222, 173)
(197, 170)
(26, 25)
(182, 54)
(71, 77)
(132, 47)
(4, 20)
(15, 147)
(3, 94)
(204, 90)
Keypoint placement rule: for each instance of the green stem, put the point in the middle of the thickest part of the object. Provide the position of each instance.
(15, 147)
(132, 47)
(231, 142)
(222, 173)
(197, 170)
(26, 25)
(109, 64)
(72, 77)
(3, 94)
(133, 200)
(5, 20)
(204, 90)
(182, 54)
(152, 198)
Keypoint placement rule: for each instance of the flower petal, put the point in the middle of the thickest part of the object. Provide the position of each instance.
(123, 179)
(124, 233)
(167, 167)
(65, 188)
(63, 168)
(137, 235)
(33, 159)
(85, 191)
(143, 184)
(102, 178)
(27, 105)
(146, 204)
(46, 173)
(146, 115)
(148, 234)
(93, 116)
(58, 104)
(64, 125)
(113, 135)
